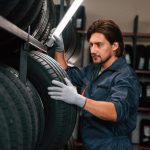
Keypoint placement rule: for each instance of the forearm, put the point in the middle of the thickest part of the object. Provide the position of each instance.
(101, 109)
(60, 58)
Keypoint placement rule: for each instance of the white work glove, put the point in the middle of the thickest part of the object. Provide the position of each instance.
(66, 93)
(56, 43)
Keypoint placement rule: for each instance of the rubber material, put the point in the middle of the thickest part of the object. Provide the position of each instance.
(58, 124)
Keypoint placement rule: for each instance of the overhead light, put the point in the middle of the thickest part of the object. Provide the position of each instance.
(62, 24)
(70, 12)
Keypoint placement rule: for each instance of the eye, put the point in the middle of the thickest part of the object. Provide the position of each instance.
(99, 45)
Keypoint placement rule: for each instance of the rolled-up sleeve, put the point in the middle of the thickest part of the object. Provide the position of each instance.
(124, 96)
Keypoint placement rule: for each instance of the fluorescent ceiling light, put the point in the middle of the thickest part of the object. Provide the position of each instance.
(70, 12)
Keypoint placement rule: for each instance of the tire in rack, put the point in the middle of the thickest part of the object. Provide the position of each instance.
(28, 101)
(31, 14)
(20, 11)
(37, 102)
(7, 6)
(60, 117)
(4, 132)
(11, 113)
(15, 97)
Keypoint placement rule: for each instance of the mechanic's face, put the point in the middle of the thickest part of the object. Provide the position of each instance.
(101, 50)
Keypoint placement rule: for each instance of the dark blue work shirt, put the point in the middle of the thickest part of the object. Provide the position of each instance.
(117, 84)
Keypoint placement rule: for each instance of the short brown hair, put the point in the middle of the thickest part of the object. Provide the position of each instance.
(111, 32)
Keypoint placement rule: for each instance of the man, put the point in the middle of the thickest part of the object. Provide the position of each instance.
(110, 90)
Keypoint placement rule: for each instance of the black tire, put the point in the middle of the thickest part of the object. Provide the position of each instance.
(31, 14)
(71, 50)
(7, 6)
(11, 113)
(23, 113)
(52, 15)
(41, 20)
(4, 132)
(28, 100)
(76, 50)
(43, 38)
(51, 23)
(40, 110)
(60, 117)
(38, 104)
(69, 33)
(20, 11)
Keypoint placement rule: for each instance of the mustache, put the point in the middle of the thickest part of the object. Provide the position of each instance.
(94, 55)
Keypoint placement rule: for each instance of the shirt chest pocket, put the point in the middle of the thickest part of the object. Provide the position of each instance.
(101, 92)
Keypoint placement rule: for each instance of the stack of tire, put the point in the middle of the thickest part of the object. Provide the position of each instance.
(30, 119)
(38, 14)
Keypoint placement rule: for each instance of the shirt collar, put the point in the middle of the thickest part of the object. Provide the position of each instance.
(118, 64)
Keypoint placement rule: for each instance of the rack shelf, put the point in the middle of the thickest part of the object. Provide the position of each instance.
(143, 35)
(144, 75)
(138, 35)
(144, 109)
(146, 72)
(128, 34)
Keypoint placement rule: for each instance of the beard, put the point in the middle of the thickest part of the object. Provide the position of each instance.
(96, 59)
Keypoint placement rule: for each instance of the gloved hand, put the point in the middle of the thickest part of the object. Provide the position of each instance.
(56, 42)
(66, 93)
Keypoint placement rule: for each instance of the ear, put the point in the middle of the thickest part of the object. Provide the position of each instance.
(115, 46)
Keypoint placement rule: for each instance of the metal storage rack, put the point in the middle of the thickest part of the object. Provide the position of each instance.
(142, 73)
